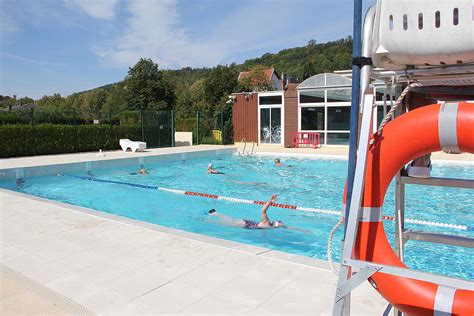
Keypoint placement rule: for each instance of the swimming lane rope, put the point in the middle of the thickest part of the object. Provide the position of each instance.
(280, 205)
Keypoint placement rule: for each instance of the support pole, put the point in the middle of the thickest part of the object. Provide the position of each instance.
(197, 127)
(142, 125)
(355, 99)
(222, 127)
(172, 128)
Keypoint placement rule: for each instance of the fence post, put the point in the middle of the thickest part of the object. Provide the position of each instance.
(222, 127)
(142, 125)
(33, 130)
(158, 119)
(75, 129)
(197, 127)
(172, 127)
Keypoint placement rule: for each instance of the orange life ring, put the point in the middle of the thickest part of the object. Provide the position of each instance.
(424, 130)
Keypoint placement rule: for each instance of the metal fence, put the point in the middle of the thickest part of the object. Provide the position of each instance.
(157, 128)
(154, 127)
(213, 128)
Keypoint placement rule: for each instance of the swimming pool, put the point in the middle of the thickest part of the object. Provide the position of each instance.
(315, 183)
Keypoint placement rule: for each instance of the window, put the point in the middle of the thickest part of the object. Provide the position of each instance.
(456, 16)
(339, 118)
(273, 99)
(390, 22)
(405, 22)
(339, 95)
(314, 96)
(312, 118)
(420, 21)
(338, 138)
(437, 19)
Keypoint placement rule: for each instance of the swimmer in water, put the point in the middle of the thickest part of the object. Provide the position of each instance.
(278, 162)
(264, 222)
(211, 170)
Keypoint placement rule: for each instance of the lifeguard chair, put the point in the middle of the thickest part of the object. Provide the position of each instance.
(423, 46)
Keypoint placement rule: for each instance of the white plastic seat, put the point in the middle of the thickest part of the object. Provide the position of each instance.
(423, 33)
(134, 146)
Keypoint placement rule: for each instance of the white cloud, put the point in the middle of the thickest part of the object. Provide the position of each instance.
(100, 9)
(153, 31)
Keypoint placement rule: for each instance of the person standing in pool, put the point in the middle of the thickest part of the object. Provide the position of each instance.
(249, 224)
(278, 162)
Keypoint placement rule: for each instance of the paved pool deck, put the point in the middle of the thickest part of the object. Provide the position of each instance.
(61, 259)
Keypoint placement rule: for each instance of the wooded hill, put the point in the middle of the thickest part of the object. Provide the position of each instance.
(298, 62)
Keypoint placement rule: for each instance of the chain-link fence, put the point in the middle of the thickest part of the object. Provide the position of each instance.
(157, 128)
(213, 127)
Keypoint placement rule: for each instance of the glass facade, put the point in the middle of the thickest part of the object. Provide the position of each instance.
(324, 105)
(337, 138)
(272, 99)
(312, 118)
(339, 118)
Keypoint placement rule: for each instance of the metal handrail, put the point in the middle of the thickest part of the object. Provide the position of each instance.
(252, 152)
(244, 146)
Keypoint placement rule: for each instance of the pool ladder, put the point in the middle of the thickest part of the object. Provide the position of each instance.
(244, 147)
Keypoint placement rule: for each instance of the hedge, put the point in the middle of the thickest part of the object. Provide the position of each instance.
(44, 139)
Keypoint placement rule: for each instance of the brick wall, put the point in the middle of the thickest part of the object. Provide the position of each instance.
(245, 117)
(291, 113)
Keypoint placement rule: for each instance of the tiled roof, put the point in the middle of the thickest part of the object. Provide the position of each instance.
(268, 74)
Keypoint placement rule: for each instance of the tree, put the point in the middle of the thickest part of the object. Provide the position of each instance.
(95, 102)
(220, 82)
(147, 88)
(117, 100)
(55, 101)
(309, 69)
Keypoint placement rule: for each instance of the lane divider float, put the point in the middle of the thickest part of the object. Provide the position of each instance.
(279, 205)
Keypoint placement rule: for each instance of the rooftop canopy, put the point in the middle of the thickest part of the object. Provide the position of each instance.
(324, 80)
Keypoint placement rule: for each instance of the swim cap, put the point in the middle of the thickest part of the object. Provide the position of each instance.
(209, 165)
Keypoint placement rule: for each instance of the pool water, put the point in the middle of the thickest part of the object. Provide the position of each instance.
(316, 183)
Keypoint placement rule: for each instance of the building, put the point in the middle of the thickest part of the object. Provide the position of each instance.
(319, 104)
(271, 77)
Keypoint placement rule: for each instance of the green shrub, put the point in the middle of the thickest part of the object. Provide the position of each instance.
(44, 139)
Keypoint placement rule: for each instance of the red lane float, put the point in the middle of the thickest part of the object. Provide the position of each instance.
(416, 133)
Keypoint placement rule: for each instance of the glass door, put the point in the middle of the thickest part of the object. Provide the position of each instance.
(270, 125)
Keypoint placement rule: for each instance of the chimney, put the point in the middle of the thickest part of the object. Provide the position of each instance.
(284, 80)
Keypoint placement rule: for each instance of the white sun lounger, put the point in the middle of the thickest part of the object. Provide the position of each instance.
(134, 146)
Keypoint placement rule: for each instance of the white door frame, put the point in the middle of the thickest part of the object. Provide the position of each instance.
(270, 106)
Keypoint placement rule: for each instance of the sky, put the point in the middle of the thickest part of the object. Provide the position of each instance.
(66, 46)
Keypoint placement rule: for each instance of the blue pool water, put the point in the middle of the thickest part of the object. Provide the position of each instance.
(309, 183)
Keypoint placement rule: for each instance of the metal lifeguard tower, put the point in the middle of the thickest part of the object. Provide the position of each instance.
(412, 45)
